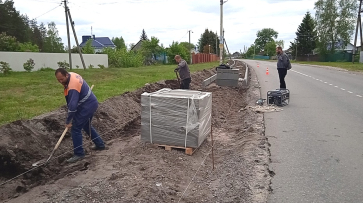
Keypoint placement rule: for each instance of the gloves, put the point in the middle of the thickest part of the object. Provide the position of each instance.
(176, 70)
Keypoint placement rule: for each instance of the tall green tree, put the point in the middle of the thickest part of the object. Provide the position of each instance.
(264, 36)
(305, 37)
(143, 35)
(208, 38)
(12, 22)
(53, 43)
(119, 42)
(335, 20)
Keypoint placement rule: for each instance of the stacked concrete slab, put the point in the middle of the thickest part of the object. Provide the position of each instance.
(176, 117)
(227, 77)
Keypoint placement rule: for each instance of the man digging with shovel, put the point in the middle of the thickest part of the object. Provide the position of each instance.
(184, 72)
(82, 104)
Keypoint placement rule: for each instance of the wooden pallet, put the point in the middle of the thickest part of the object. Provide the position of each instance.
(188, 150)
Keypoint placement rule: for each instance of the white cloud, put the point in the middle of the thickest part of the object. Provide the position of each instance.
(169, 20)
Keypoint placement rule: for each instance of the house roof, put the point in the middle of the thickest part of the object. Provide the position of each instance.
(99, 42)
(137, 44)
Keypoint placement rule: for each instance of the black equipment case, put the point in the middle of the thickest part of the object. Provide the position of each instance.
(279, 97)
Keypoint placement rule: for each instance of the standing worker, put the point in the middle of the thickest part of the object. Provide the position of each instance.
(82, 104)
(282, 65)
(184, 72)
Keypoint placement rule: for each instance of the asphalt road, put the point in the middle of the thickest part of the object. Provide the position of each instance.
(317, 140)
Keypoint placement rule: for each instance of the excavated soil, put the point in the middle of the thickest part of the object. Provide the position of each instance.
(132, 171)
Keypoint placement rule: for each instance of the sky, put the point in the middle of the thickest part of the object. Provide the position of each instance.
(170, 20)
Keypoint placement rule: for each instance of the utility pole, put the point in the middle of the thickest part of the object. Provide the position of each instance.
(221, 38)
(254, 51)
(75, 37)
(225, 42)
(359, 24)
(296, 51)
(190, 48)
(216, 43)
(69, 40)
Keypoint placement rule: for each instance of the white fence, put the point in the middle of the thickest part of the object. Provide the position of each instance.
(43, 60)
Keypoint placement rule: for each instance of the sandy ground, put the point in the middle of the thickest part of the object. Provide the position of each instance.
(132, 171)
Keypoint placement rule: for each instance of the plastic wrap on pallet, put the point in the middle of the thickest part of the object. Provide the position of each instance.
(176, 117)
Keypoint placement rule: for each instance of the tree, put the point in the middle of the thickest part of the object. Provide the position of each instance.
(8, 43)
(264, 36)
(12, 22)
(177, 49)
(187, 45)
(53, 43)
(43, 34)
(305, 37)
(119, 42)
(335, 20)
(280, 43)
(28, 47)
(208, 38)
(88, 49)
(251, 51)
(270, 48)
(143, 35)
(150, 48)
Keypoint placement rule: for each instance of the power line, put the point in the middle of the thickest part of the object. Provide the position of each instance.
(49, 11)
(183, 36)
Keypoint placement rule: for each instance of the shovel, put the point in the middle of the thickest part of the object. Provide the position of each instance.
(42, 162)
(177, 76)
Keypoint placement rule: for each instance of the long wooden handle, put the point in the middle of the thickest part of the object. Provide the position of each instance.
(61, 138)
(58, 143)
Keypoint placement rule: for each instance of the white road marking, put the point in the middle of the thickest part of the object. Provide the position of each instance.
(326, 83)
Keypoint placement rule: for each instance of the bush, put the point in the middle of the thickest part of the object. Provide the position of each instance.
(90, 66)
(123, 58)
(101, 66)
(29, 65)
(77, 66)
(46, 69)
(63, 64)
(4, 68)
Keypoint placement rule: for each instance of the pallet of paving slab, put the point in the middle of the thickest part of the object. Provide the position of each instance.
(188, 150)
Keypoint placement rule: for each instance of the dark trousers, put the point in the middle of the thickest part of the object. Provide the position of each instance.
(185, 84)
(82, 121)
(282, 74)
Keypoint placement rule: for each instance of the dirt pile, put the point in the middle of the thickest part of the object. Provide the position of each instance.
(24, 142)
(131, 171)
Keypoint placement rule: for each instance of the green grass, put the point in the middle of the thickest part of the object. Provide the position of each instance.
(25, 95)
(345, 65)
